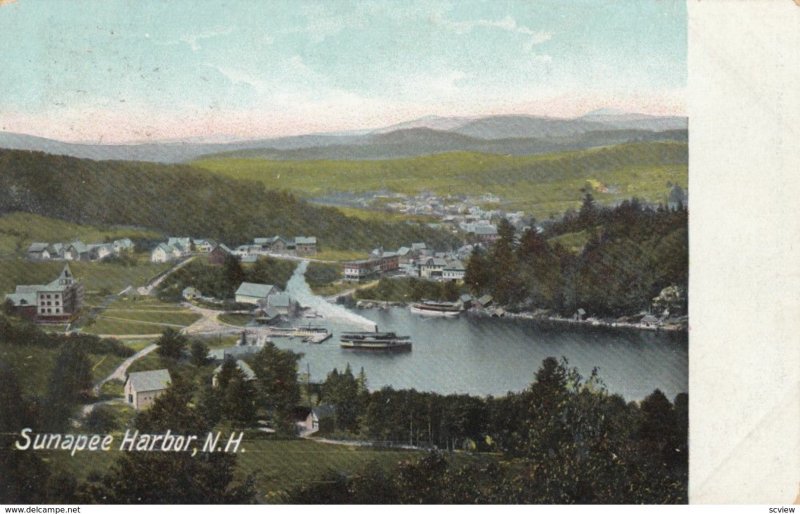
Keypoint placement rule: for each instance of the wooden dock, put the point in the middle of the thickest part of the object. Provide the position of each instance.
(312, 335)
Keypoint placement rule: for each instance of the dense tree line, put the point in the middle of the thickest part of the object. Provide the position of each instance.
(407, 289)
(633, 252)
(562, 440)
(26, 478)
(170, 477)
(222, 281)
(181, 200)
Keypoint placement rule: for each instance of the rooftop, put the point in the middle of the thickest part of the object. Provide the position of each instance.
(155, 380)
(255, 290)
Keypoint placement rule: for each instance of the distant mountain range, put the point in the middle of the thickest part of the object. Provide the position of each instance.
(507, 134)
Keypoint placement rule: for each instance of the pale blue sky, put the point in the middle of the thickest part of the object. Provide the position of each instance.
(136, 70)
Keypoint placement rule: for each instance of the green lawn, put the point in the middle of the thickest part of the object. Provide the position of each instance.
(139, 345)
(18, 230)
(340, 255)
(380, 215)
(183, 318)
(149, 362)
(542, 185)
(104, 365)
(279, 464)
(113, 327)
(95, 276)
(239, 320)
(112, 389)
(572, 241)
(283, 464)
(33, 365)
(145, 303)
(144, 315)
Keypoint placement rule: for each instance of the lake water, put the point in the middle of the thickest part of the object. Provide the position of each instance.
(482, 356)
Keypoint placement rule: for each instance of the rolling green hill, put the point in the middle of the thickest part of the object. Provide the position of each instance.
(19, 229)
(183, 201)
(543, 185)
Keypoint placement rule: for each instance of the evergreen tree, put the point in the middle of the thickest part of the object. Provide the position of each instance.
(199, 352)
(171, 343)
(477, 276)
(24, 474)
(233, 272)
(239, 400)
(277, 387)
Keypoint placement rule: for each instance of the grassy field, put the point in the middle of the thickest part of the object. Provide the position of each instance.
(378, 215)
(239, 320)
(145, 303)
(18, 230)
(279, 464)
(112, 327)
(572, 241)
(172, 317)
(95, 276)
(332, 288)
(340, 255)
(542, 185)
(33, 365)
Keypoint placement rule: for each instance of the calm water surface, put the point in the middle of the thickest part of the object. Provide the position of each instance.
(483, 356)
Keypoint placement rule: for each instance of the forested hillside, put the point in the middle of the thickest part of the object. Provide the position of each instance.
(180, 200)
(541, 185)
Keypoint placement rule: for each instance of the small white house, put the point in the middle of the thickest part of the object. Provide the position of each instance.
(162, 253)
(143, 387)
(317, 414)
(455, 270)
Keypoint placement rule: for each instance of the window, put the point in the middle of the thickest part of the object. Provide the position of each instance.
(130, 398)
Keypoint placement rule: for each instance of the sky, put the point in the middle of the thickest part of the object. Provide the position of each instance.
(143, 70)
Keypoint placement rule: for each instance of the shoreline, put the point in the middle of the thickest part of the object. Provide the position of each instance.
(493, 312)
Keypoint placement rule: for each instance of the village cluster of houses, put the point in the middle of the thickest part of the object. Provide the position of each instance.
(143, 387)
(78, 250)
(299, 246)
(58, 301)
(415, 261)
(269, 302)
(179, 247)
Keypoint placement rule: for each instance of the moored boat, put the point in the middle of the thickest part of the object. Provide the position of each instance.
(374, 341)
(430, 308)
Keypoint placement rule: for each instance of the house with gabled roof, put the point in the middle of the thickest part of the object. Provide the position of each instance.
(319, 414)
(162, 253)
(100, 251)
(122, 245)
(432, 267)
(249, 292)
(56, 250)
(305, 245)
(56, 302)
(204, 245)
(218, 254)
(77, 251)
(280, 303)
(454, 270)
(38, 252)
(143, 387)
